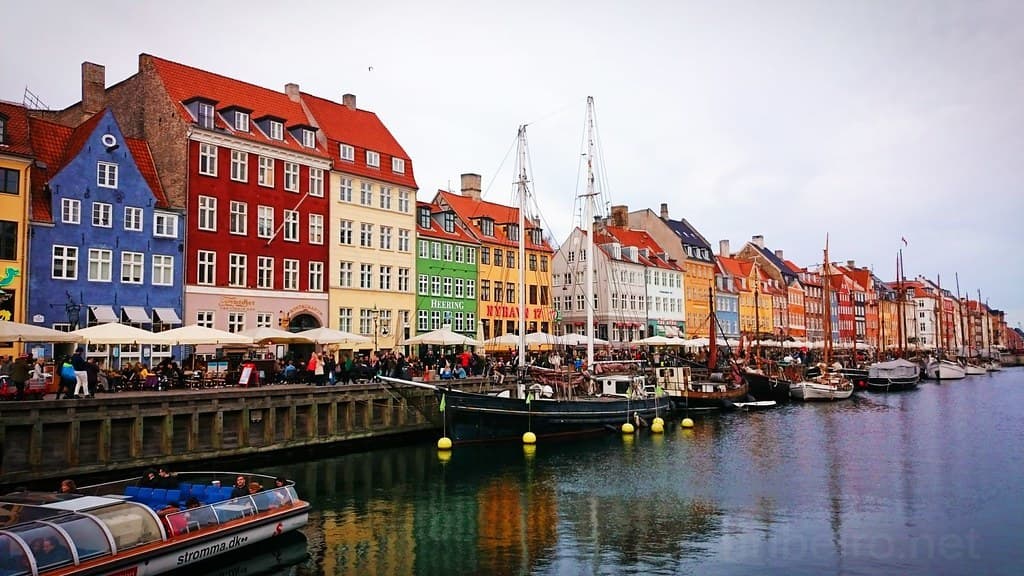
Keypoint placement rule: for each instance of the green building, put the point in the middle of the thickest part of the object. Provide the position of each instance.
(446, 271)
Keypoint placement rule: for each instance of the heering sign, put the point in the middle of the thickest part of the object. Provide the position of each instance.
(447, 304)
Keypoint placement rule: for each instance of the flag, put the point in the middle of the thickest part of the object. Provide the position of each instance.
(659, 391)
(529, 397)
(441, 407)
(904, 240)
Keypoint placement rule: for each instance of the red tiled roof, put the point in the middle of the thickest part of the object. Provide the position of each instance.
(638, 238)
(736, 268)
(16, 135)
(184, 83)
(436, 230)
(362, 130)
(469, 210)
(144, 162)
(49, 141)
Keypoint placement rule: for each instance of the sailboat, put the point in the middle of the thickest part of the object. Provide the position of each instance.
(547, 402)
(938, 368)
(899, 373)
(828, 384)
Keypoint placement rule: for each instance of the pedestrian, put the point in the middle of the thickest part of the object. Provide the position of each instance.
(67, 379)
(316, 368)
(92, 371)
(81, 374)
(19, 375)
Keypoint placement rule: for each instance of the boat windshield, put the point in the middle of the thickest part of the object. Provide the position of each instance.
(130, 524)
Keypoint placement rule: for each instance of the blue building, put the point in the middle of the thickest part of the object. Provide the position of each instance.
(105, 245)
(727, 302)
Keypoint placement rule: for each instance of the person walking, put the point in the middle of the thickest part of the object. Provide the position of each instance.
(81, 373)
(67, 379)
(19, 375)
(316, 368)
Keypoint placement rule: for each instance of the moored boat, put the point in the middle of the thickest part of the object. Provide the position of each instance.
(767, 383)
(828, 386)
(944, 370)
(898, 374)
(120, 528)
(971, 369)
(717, 392)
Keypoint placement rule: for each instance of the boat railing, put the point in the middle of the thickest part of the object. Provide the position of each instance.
(119, 487)
(218, 513)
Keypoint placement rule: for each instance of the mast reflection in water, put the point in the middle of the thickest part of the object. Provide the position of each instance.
(917, 482)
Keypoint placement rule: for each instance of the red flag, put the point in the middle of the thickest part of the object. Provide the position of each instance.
(904, 240)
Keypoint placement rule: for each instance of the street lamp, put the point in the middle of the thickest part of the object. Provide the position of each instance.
(376, 317)
(73, 310)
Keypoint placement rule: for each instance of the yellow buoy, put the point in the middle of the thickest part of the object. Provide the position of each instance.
(444, 443)
(658, 420)
(657, 427)
(686, 423)
(627, 428)
(529, 438)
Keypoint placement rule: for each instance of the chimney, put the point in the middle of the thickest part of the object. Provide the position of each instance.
(664, 211)
(758, 240)
(349, 100)
(852, 264)
(723, 248)
(94, 79)
(470, 185)
(620, 216)
(778, 254)
(292, 90)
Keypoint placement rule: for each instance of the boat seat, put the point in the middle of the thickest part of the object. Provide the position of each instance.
(159, 497)
(173, 497)
(198, 491)
(145, 494)
(131, 492)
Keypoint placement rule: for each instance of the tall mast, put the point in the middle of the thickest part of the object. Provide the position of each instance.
(900, 297)
(588, 227)
(940, 341)
(960, 312)
(826, 295)
(522, 272)
(757, 317)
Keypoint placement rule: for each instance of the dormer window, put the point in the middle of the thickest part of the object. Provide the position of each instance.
(373, 159)
(398, 165)
(449, 222)
(424, 217)
(276, 130)
(347, 152)
(512, 230)
(308, 138)
(205, 115)
(242, 121)
(3, 130)
(487, 227)
(537, 236)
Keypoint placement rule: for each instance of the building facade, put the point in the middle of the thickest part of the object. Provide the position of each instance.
(446, 272)
(16, 158)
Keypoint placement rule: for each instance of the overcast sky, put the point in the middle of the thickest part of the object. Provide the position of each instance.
(867, 120)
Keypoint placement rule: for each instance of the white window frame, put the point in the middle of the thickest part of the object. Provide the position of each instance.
(276, 129)
(163, 270)
(316, 276)
(404, 236)
(165, 225)
(404, 275)
(239, 166)
(366, 276)
(264, 221)
(101, 265)
(238, 220)
(424, 284)
(291, 225)
(133, 267)
(205, 318)
(384, 277)
(106, 175)
(316, 182)
(386, 233)
(291, 176)
(102, 215)
(206, 268)
(237, 269)
(403, 200)
(385, 197)
(207, 159)
(345, 190)
(236, 321)
(366, 193)
(345, 274)
(241, 121)
(345, 232)
(316, 228)
(308, 138)
(133, 218)
(345, 319)
(207, 216)
(347, 152)
(265, 272)
(70, 211)
(398, 165)
(373, 159)
(205, 115)
(264, 320)
(290, 277)
(266, 171)
(366, 234)
(64, 262)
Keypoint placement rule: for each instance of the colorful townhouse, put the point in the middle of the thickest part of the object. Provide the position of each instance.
(372, 221)
(446, 271)
(106, 245)
(250, 170)
(16, 157)
(844, 320)
(788, 310)
(496, 228)
(886, 309)
(727, 298)
(685, 244)
(865, 309)
(814, 304)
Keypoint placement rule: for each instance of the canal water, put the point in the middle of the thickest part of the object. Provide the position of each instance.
(929, 481)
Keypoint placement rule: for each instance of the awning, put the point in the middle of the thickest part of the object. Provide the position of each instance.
(136, 314)
(103, 314)
(167, 315)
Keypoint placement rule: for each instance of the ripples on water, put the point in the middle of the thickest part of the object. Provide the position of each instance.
(919, 482)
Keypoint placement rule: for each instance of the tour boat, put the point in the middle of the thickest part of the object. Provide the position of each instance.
(898, 374)
(124, 529)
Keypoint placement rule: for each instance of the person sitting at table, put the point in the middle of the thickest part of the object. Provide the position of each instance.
(241, 487)
(288, 373)
(141, 371)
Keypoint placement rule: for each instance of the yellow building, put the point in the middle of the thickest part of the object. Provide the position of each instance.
(15, 180)
(496, 227)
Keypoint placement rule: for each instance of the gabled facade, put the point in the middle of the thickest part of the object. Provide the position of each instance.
(106, 245)
(372, 222)
(814, 304)
(788, 315)
(496, 228)
(446, 269)
(727, 301)
(16, 158)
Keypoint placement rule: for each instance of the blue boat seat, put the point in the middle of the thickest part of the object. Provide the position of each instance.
(131, 492)
(198, 491)
(173, 497)
(159, 496)
(185, 488)
(145, 494)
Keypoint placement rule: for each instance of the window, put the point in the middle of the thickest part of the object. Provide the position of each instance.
(266, 175)
(403, 201)
(206, 267)
(316, 228)
(435, 250)
(487, 227)
(385, 237)
(291, 274)
(345, 232)
(239, 166)
(498, 253)
(101, 214)
(236, 321)
(398, 165)
(448, 249)
(372, 159)
(403, 240)
(485, 255)
(264, 320)
(131, 267)
(345, 274)
(100, 265)
(241, 121)
(513, 232)
(239, 214)
(276, 130)
(237, 264)
(510, 293)
(316, 277)
(485, 290)
(65, 262)
(291, 225)
(8, 240)
(533, 262)
(460, 288)
(471, 289)
(435, 285)
(132, 218)
(345, 191)
(70, 211)
(207, 159)
(470, 322)
(384, 277)
(347, 152)
(403, 279)
(447, 286)
(163, 270)
(365, 321)
(308, 138)
(265, 221)
(385, 197)
(424, 248)
(205, 116)
(366, 194)
(543, 263)
(291, 176)
(423, 217)
(265, 272)
(204, 318)
(208, 213)
(499, 292)
(10, 180)
(366, 235)
(511, 259)
(106, 175)
(366, 275)
(424, 285)
(422, 320)
(460, 253)
(470, 255)
(316, 182)
(457, 325)
(435, 319)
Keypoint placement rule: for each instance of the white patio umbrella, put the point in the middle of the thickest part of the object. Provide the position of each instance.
(326, 335)
(18, 332)
(442, 337)
(193, 334)
(508, 339)
(578, 340)
(265, 335)
(540, 339)
(653, 341)
(116, 333)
